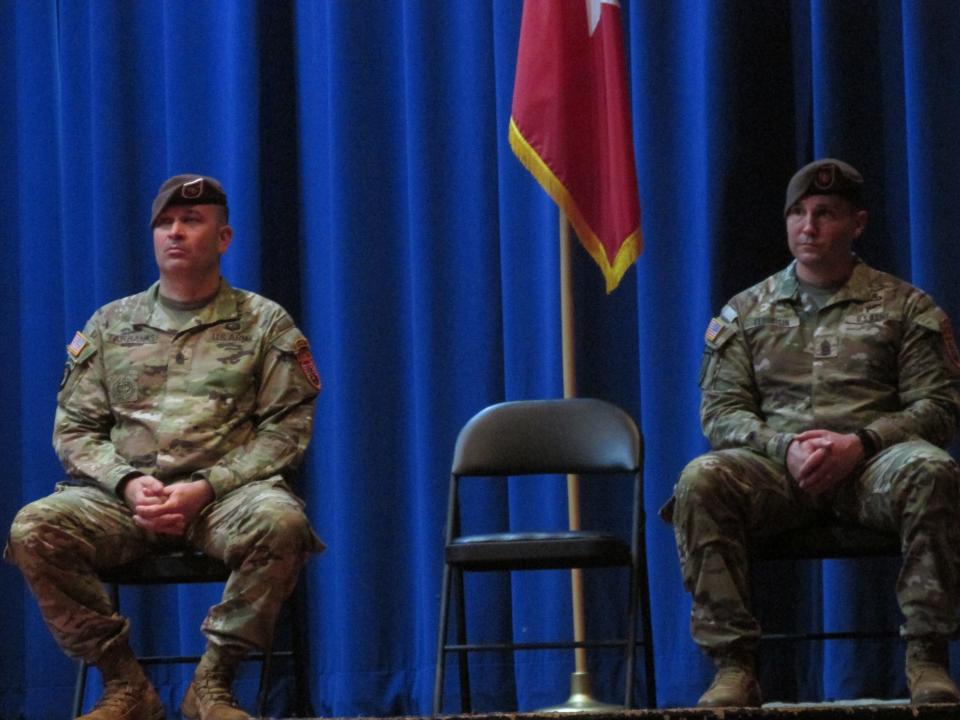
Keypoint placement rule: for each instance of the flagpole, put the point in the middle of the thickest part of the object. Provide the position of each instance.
(569, 355)
(581, 698)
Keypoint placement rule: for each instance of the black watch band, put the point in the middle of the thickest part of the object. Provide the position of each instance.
(869, 443)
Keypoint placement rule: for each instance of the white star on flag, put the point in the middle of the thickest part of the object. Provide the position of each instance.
(593, 12)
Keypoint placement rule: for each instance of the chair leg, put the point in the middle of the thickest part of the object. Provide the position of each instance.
(298, 644)
(441, 642)
(302, 705)
(643, 590)
(264, 690)
(466, 702)
(80, 689)
(631, 655)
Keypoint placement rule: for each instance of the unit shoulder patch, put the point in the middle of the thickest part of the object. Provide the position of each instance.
(301, 349)
(949, 342)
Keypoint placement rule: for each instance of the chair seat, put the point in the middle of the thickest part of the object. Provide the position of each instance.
(166, 567)
(825, 541)
(538, 550)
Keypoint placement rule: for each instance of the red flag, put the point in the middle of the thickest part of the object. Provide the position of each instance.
(570, 124)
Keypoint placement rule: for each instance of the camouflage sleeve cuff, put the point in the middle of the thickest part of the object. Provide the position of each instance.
(115, 476)
(777, 446)
(221, 479)
(884, 433)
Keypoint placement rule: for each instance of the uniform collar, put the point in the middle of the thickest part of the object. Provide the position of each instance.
(222, 308)
(857, 287)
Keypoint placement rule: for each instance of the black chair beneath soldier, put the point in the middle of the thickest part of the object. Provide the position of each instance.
(179, 567)
(829, 391)
(538, 437)
(181, 411)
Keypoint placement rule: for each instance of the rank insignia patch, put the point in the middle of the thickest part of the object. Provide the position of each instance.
(305, 358)
(77, 345)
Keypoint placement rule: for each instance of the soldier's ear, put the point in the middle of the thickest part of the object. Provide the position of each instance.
(861, 217)
(225, 237)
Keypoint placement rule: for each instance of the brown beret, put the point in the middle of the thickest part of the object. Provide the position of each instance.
(825, 177)
(187, 190)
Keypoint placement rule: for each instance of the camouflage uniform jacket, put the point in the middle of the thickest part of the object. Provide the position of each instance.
(229, 398)
(879, 355)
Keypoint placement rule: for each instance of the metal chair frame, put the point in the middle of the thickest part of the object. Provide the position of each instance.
(177, 567)
(544, 437)
(826, 541)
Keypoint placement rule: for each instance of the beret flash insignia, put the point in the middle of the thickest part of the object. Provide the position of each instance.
(193, 189)
(825, 176)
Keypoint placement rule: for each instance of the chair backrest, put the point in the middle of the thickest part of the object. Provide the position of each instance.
(526, 437)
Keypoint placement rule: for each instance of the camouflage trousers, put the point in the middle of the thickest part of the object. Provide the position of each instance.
(726, 497)
(59, 543)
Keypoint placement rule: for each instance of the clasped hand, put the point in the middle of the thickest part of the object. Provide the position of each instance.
(165, 509)
(819, 459)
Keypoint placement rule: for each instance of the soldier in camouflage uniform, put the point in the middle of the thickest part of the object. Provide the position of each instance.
(180, 413)
(830, 387)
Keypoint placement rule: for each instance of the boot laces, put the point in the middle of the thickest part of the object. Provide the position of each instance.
(732, 674)
(118, 695)
(213, 687)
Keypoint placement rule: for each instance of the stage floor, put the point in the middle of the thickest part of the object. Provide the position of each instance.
(863, 710)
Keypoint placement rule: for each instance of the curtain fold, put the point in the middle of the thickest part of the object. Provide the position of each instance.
(363, 147)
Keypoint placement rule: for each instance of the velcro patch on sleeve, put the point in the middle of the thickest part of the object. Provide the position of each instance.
(718, 333)
(949, 341)
(79, 343)
(305, 358)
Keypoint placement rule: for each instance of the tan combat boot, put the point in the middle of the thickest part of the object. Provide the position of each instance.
(127, 694)
(928, 676)
(210, 695)
(734, 685)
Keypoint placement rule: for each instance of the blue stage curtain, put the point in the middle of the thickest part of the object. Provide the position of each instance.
(373, 193)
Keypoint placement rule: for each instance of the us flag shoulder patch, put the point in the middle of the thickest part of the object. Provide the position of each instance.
(713, 330)
(78, 344)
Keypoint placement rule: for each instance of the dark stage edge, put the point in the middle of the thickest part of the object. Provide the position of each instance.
(825, 711)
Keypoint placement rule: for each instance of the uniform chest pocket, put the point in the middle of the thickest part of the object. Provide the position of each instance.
(778, 344)
(870, 337)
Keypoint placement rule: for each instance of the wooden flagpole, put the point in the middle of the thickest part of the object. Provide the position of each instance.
(568, 341)
(581, 693)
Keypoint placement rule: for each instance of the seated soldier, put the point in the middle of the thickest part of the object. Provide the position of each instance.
(181, 410)
(830, 387)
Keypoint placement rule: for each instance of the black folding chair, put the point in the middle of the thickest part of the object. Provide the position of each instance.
(826, 540)
(175, 567)
(545, 437)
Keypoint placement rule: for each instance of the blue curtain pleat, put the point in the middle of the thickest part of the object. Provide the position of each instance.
(373, 193)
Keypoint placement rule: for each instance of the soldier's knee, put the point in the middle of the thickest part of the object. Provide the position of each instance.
(929, 474)
(31, 534)
(287, 530)
(700, 481)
